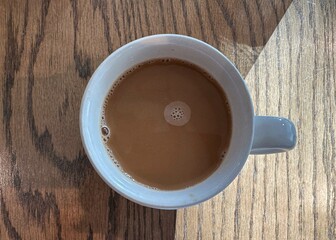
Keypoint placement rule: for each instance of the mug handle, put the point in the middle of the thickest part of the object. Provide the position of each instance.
(273, 135)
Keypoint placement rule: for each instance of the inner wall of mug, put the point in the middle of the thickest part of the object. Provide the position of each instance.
(190, 50)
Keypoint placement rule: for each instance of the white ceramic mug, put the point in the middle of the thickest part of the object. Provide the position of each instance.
(250, 134)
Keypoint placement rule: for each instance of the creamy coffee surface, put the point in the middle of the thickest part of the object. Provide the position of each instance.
(167, 124)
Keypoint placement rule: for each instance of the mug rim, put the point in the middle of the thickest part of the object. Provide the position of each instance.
(93, 161)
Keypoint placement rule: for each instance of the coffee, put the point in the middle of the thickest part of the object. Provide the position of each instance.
(167, 124)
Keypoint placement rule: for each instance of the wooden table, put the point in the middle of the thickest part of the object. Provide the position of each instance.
(49, 49)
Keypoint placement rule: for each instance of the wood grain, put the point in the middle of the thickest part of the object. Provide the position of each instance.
(49, 49)
(289, 195)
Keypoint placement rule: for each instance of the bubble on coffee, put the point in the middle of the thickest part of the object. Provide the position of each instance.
(177, 113)
(223, 155)
(105, 131)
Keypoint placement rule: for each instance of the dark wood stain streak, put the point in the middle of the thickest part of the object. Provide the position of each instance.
(107, 33)
(262, 20)
(51, 201)
(13, 163)
(315, 214)
(228, 19)
(212, 27)
(9, 82)
(127, 21)
(90, 234)
(289, 195)
(149, 222)
(266, 158)
(250, 22)
(223, 215)
(200, 19)
(128, 214)
(289, 211)
(332, 227)
(128, 220)
(328, 132)
(333, 40)
(116, 21)
(256, 89)
(297, 100)
(161, 225)
(236, 211)
(213, 219)
(285, 4)
(169, 222)
(142, 32)
(164, 25)
(138, 221)
(332, 130)
(300, 165)
(199, 221)
(83, 64)
(11, 65)
(255, 174)
(325, 165)
(280, 79)
(147, 18)
(152, 223)
(111, 223)
(173, 15)
(185, 224)
(16, 179)
(11, 230)
(136, 224)
(73, 170)
(37, 206)
(332, 217)
(142, 219)
(275, 10)
(62, 110)
(185, 17)
(147, 229)
(136, 34)
(329, 25)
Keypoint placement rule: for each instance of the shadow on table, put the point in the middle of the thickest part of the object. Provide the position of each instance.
(109, 214)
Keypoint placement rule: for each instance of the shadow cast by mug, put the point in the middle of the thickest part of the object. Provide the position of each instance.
(123, 219)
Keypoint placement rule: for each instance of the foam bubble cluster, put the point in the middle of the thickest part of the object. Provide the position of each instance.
(177, 113)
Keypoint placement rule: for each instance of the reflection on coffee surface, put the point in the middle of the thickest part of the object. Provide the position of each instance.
(167, 124)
